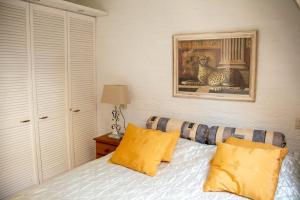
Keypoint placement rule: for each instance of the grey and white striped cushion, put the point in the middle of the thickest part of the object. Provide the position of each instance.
(220, 134)
(188, 130)
(202, 134)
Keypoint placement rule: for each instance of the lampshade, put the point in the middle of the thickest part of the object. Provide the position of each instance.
(115, 94)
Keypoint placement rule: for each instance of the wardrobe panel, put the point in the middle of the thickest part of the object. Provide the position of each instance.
(49, 62)
(81, 63)
(84, 130)
(14, 64)
(17, 158)
(53, 146)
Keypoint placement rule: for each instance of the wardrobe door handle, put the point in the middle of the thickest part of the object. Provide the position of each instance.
(25, 121)
(45, 117)
(76, 110)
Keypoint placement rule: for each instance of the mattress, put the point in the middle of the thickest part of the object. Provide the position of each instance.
(181, 179)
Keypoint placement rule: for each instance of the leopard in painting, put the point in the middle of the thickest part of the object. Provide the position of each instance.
(218, 77)
(204, 70)
(208, 75)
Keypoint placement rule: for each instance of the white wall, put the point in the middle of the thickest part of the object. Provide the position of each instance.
(134, 47)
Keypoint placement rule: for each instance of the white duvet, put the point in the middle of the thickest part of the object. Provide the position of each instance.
(181, 179)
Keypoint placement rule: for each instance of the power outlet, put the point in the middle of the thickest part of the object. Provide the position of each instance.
(297, 124)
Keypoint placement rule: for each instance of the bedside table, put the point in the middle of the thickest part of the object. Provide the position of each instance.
(105, 145)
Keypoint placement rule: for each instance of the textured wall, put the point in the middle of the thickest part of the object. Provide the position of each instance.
(134, 47)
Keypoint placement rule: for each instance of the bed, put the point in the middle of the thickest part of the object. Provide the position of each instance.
(183, 178)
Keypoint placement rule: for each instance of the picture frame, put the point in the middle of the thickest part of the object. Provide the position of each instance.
(218, 65)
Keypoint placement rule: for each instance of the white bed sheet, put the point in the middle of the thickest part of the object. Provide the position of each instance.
(181, 179)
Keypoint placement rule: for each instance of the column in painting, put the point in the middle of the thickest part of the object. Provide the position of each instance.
(232, 59)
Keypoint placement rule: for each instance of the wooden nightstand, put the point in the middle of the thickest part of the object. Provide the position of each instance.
(105, 145)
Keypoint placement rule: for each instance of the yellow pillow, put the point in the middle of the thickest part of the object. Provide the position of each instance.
(167, 157)
(250, 144)
(249, 172)
(142, 149)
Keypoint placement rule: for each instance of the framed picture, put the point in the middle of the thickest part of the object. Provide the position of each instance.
(215, 65)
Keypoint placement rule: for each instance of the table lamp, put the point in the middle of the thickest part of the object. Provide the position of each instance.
(116, 95)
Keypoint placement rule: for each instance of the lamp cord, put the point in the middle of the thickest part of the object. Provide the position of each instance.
(122, 116)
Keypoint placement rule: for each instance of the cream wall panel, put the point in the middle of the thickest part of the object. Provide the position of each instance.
(134, 47)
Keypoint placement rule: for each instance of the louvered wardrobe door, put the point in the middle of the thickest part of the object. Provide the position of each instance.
(49, 52)
(17, 165)
(81, 30)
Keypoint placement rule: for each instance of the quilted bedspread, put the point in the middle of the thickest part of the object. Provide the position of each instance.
(181, 179)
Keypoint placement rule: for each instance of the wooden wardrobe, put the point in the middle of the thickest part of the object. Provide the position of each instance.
(47, 93)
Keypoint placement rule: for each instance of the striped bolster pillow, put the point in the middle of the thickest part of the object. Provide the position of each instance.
(188, 130)
(220, 134)
(202, 134)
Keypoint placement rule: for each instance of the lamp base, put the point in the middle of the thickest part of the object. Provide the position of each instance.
(114, 135)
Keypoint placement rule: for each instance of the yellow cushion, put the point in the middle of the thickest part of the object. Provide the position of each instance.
(142, 149)
(250, 144)
(249, 172)
(167, 157)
